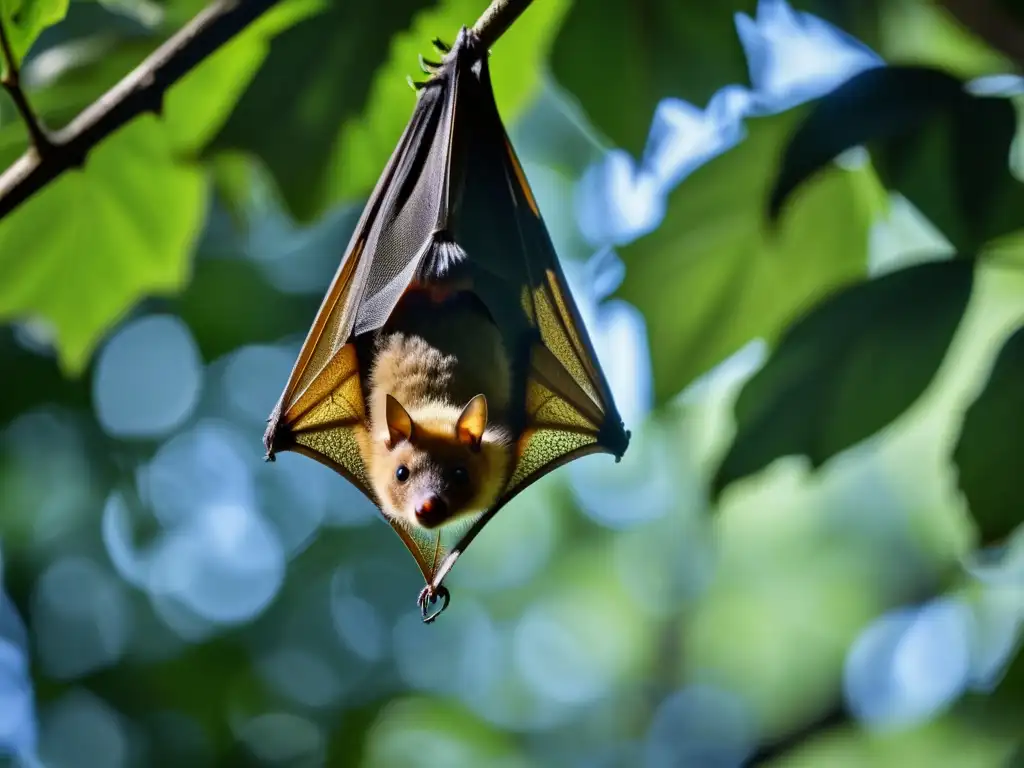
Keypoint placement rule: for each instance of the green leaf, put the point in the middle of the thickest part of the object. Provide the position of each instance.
(713, 277)
(326, 109)
(988, 458)
(23, 20)
(136, 209)
(79, 253)
(196, 106)
(945, 149)
(621, 57)
(877, 103)
(848, 368)
(201, 102)
(924, 33)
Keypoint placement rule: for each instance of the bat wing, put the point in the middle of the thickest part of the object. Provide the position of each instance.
(321, 411)
(569, 411)
(454, 177)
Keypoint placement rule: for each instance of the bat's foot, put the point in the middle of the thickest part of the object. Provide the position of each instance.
(430, 595)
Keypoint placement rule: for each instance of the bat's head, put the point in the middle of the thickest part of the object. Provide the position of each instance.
(439, 462)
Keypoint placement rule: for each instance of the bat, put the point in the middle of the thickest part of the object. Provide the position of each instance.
(448, 367)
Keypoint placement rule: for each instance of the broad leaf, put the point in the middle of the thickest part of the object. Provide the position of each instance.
(23, 20)
(945, 149)
(79, 253)
(198, 105)
(328, 106)
(621, 57)
(848, 368)
(988, 457)
(714, 276)
(124, 227)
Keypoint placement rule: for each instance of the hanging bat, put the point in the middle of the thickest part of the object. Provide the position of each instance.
(447, 368)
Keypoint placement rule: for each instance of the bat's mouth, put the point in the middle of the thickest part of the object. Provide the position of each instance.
(432, 511)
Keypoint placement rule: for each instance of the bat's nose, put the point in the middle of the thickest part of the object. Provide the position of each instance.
(431, 511)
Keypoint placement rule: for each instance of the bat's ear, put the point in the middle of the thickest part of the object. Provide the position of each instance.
(469, 429)
(400, 426)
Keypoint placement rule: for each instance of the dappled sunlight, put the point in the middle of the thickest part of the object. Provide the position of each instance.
(148, 378)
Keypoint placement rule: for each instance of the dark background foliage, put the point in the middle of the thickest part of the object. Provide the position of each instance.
(795, 233)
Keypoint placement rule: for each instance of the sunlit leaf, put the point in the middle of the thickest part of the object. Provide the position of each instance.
(79, 254)
(198, 105)
(925, 33)
(23, 20)
(988, 458)
(195, 107)
(848, 368)
(713, 276)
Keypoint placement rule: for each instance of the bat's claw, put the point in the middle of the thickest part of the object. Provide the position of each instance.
(427, 66)
(430, 595)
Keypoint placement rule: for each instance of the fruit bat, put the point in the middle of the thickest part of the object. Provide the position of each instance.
(448, 367)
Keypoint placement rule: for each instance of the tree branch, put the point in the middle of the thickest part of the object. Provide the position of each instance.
(992, 24)
(142, 90)
(11, 81)
(499, 16)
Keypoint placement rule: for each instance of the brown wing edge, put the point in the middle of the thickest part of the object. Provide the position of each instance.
(437, 579)
(410, 544)
(293, 405)
(610, 437)
(349, 272)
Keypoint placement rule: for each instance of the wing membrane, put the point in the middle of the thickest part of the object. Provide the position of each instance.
(454, 174)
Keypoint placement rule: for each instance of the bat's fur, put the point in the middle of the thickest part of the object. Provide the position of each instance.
(433, 359)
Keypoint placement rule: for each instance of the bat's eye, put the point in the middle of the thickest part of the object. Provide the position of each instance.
(402, 473)
(460, 476)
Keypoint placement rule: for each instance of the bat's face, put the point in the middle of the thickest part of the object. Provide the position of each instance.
(432, 480)
(430, 470)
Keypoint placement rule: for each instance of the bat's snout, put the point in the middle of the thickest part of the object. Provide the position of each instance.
(432, 511)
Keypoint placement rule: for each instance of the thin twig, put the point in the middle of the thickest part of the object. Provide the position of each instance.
(142, 90)
(499, 16)
(11, 81)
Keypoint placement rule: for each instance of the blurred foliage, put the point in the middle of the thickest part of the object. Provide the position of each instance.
(987, 463)
(845, 337)
(620, 62)
(345, 118)
(853, 364)
(133, 204)
(742, 280)
(926, 131)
